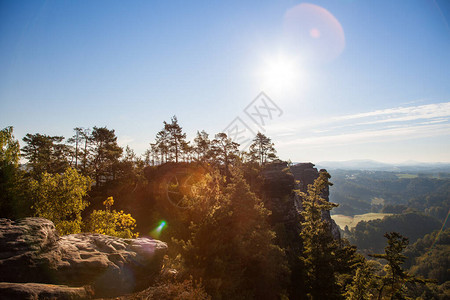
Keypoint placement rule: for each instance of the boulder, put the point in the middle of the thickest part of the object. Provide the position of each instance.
(32, 252)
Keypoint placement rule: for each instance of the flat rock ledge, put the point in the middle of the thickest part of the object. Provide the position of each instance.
(36, 263)
(10, 290)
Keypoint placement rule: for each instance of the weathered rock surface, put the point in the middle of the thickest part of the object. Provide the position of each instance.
(305, 174)
(42, 291)
(32, 252)
(279, 182)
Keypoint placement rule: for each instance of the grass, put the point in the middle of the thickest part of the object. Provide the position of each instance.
(351, 222)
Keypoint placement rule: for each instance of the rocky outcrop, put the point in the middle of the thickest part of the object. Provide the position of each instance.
(305, 174)
(10, 290)
(32, 252)
(280, 180)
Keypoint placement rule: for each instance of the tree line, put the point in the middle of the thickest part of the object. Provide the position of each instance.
(95, 152)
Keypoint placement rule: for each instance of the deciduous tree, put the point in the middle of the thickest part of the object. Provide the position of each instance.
(12, 183)
(59, 198)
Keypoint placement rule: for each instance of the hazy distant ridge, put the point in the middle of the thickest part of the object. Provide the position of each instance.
(372, 165)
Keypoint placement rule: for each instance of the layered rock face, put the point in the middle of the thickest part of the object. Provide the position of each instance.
(103, 266)
(279, 182)
(306, 174)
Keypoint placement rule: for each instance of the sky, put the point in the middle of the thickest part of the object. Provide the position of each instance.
(325, 80)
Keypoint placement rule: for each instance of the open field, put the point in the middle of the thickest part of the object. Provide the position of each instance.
(351, 222)
(407, 176)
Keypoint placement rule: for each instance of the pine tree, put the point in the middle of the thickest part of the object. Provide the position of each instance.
(176, 137)
(45, 153)
(231, 245)
(81, 152)
(162, 144)
(224, 151)
(392, 283)
(361, 286)
(105, 154)
(262, 149)
(202, 145)
(319, 247)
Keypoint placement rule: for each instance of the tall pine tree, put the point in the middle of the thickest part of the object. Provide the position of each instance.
(319, 246)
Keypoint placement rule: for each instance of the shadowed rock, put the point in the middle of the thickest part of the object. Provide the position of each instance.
(42, 291)
(32, 251)
(306, 174)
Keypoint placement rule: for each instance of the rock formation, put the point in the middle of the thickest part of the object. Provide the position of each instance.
(32, 252)
(305, 174)
(279, 182)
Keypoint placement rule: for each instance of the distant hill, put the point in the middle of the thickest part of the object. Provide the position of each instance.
(371, 165)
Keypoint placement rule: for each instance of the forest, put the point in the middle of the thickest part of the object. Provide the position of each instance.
(237, 224)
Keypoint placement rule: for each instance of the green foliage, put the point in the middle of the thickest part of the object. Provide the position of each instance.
(105, 154)
(81, 142)
(231, 244)
(13, 186)
(202, 145)
(45, 153)
(262, 150)
(319, 247)
(111, 222)
(428, 257)
(224, 151)
(369, 235)
(9, 148)
(59, 198)
(360, 288)
(392, 284)
(176, 139)
(356, 191)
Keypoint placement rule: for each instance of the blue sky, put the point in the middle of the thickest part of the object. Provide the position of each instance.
(352, 79)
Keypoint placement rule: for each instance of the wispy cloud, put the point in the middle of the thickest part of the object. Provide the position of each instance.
(404, 113)
(390, 124)
(382, 135)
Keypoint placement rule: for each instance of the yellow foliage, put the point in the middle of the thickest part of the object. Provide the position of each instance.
(114, 223)
(59, 198)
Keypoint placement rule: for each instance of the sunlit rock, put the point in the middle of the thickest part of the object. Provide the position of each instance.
(31, 251)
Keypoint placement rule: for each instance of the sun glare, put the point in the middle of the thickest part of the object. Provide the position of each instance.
(280, 74)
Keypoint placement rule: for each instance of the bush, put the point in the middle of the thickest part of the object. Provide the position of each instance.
(114, 223)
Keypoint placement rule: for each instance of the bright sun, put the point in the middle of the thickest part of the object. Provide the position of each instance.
(280, 74)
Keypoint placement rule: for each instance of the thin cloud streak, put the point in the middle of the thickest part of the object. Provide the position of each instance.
(439, 112)
(393, 124)
(383, 135)
(410, 113)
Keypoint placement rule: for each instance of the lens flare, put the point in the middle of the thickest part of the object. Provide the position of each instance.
(440, 231)
(155, 233)
(314, 32)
